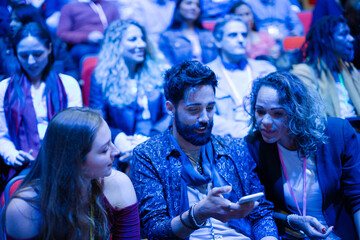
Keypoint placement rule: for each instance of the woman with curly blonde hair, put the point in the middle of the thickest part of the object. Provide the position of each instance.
(127, 85)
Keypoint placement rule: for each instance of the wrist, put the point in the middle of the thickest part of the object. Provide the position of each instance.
(196, 221)
(290, 221)
(199, 215)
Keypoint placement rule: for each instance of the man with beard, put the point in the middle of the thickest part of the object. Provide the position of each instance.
(187, 180)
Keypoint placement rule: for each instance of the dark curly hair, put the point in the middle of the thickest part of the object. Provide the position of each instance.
(304, 108)
(185, 75)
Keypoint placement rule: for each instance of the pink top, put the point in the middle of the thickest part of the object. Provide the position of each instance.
(262, 47)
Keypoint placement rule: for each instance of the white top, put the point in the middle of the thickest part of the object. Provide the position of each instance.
(294, 168)
(346, 107)
(74, 98)
(221, 230)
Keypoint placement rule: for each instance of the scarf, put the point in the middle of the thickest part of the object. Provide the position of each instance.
(191, 177)
(21, 117)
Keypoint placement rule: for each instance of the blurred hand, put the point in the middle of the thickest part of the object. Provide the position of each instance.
(123, 143)
(310, 226)
(214, 205)
(19, 158)
(95, 37)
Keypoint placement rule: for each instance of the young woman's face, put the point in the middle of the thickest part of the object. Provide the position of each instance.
(33, 56)
(134, 45)
(246, 15)
(99, 160)
(190, 9)
(271, 117)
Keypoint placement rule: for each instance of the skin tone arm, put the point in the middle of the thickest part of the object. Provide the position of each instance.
(357, 222)
(214, 205)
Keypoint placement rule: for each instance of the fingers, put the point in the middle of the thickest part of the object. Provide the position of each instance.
(217, 191)
(26, 155)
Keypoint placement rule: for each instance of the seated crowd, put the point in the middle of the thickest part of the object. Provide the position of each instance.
(181, 124)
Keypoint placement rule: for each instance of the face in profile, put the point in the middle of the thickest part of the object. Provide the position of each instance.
(190, 9)
(246, 15)
(99, 160)
(194, 115)
(33, 56)
(271, 117)
(233, 42)
(342, 43)
(134, 45)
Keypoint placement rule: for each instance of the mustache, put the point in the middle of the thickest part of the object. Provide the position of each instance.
(203, 124)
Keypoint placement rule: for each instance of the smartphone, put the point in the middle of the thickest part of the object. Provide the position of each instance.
(251, 198)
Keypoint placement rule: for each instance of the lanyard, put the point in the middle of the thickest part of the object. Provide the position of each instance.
(100, 12)
(289, 186)
(238, 99)
(343, 89)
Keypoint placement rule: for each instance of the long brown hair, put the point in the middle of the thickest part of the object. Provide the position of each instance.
(63, 199)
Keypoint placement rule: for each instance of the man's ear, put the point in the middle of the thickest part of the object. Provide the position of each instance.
(218, 43)
(170, 108)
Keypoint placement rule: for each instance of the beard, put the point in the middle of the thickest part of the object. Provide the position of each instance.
(189, 134)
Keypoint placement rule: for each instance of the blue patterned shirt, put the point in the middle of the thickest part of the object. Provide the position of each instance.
(156, 175)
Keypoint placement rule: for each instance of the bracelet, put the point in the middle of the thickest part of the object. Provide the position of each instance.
(288, 222)
(185, 224)
(192, 217)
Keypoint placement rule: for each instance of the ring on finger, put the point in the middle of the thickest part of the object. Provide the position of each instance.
(229, 207)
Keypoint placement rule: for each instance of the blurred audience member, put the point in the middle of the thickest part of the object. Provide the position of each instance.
(328, 50)
(235, 74)
(24, 14)
(82, 25)
(52, 13)
(186, 39)
(352, 15)
(258, 43)
(128, 86)
(214, 9)
(72, 192)
(31, 97)
(154, 15)
(327, 7)
(6, 52)
(276, 17)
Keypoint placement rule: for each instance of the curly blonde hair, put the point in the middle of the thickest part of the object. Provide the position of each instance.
(112, 73)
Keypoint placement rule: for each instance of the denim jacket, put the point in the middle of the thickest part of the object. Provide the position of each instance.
(177, 48)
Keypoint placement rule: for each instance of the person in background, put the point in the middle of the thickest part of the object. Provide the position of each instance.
(326, 8)
(235, 73)
(6, 53)
(327, 51)
(154, 15)
(127, 85)
(31, 97)
(72, 192)
(182, 176)
(82, 24)
(258, 43)
(186, 38)
(309, 164)
(276, 17)
(24, 14)
(215, 9)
